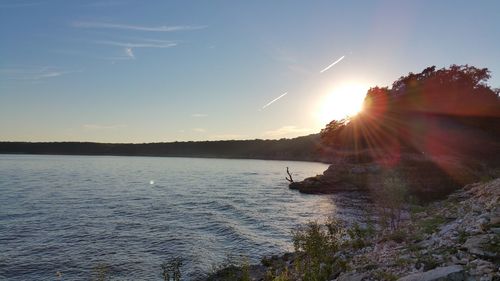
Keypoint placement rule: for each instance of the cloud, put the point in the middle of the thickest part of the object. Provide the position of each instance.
(334, 63)
(103, 127)
(129, 53)
(287, 131)
(48, 75)
(199, 115)
(199, 130)
(89, 24)
(144, 44)
(271, 102)
(140, 43)
(33, 72)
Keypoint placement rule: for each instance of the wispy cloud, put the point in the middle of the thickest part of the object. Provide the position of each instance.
(334, 63)
(163, 28)
(199, 130)
(271, 102)
(287, 131)
(129, 47)
(33, 72)
(103, 127)
(129, 53)
(199, 115)
(143, 44)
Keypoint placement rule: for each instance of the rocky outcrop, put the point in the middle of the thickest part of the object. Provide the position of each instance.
(453, 239)
(448, 273)
(481, 246)
(339, 177)
(424, 176)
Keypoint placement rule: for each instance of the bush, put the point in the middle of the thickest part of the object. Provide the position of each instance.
(316, 245)
(359, 236)
(231, 269)
(171, 268)
(391, 198)
(432, 224)
(101, 272)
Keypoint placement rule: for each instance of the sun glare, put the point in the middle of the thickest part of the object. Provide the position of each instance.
(341, 102)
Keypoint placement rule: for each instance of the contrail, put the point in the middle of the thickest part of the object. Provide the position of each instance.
(334, 63)
(269, 103)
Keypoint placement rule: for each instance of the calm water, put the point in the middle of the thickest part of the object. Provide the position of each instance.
(72, 213)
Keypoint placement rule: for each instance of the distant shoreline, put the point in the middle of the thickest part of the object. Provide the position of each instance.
(163, 156)
(304, 148)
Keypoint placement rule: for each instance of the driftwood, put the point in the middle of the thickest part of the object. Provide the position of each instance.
(289, 178)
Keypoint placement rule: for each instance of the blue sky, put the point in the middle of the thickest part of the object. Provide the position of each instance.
(152, 71)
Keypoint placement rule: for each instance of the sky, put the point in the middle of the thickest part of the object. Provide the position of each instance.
(155, 71)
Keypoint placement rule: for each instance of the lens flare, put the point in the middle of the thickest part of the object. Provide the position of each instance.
(342, 102)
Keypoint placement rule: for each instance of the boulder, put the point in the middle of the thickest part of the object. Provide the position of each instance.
(482, 246)
(448, 273)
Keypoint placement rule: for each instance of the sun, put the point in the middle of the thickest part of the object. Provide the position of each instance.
(343, 101)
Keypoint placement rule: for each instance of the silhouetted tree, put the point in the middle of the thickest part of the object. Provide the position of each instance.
(444, 110)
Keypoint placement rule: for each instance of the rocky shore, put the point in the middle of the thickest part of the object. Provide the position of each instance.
(457, 238)
(426, 177)
(454, 239)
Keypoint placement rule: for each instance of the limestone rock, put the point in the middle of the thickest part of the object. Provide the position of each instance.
(448, 273)
(479, 245)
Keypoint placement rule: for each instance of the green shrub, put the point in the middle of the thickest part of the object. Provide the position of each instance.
(245, 271)
(171, 269)
(282, 276)
(359, 236)
(315, 245)
(462, 236)
(101, 272)
(391, 197)
(432, 224)
(233, 268)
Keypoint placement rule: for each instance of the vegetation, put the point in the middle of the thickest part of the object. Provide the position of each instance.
(448, 111)
(318, 249)
(171, 270)
(101, 272)
(359, 236)
(232, 268)
(431, 224)
(302, 148)
(391, 198)
(315, 245)
(436, 129)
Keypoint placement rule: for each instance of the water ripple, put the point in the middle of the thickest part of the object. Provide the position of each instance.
(73, 213)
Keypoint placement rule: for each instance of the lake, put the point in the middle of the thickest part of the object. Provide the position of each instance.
(73, 214)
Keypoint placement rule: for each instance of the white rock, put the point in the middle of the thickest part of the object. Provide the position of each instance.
(451, 273)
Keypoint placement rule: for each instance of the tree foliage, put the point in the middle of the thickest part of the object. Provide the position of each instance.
(435, 111)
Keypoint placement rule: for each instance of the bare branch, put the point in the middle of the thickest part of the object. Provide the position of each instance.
(289, 178)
